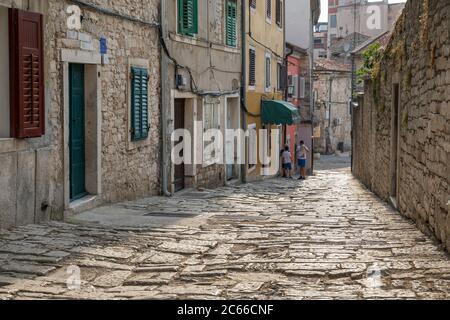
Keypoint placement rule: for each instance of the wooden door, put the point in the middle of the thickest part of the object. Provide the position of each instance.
(179, 124)
(77, 132)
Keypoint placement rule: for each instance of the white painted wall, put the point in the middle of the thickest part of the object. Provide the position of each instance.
(297, 23)
(4, 74)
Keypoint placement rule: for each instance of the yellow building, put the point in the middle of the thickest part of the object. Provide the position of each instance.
(264, 45)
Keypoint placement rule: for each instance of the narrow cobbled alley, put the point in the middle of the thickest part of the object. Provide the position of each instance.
(326, 238)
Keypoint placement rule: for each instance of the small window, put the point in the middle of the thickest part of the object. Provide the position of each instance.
(302, 88)
(139, 104)
(294, 86)
(268, 72)
(279, 13)
(269, 10)
(290, 86)
(188, 17)
(281, 76)
(252, 68)
(231, 29)
(253, 4)
(333, 21)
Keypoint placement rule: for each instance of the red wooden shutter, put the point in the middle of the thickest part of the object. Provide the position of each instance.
(26, 73)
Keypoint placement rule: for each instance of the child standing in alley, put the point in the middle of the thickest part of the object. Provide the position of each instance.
(287, 162)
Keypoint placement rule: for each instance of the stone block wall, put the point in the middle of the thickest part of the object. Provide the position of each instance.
(417, 59)
(337, 129)
(34, 175)
(129, 170)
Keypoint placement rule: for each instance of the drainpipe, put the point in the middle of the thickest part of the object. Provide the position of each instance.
(286, 90)
(311, 83)
(164, 103)
(330, 97)
(244, 86)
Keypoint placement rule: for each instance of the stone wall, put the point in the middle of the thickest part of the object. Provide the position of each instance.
(35, 172)
(129, 169)
(210, 65)
(417, 60)
(335, 125)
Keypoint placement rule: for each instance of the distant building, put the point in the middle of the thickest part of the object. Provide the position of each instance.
(298, 89)
(299, 22)
(321, 40)
(346, 17)
(382, 40)
(332, 117)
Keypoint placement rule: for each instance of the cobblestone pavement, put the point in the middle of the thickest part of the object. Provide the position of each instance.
(326, 238)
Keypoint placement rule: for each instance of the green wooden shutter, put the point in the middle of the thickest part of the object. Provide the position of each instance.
(188, 17)
(231, 36)
(139, 104)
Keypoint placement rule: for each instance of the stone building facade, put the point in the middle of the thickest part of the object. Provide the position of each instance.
(332, 114)
(401, 127)
(201, 89)
(366, 18)
(89, 150)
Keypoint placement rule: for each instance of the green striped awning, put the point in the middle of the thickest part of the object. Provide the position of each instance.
(279, 112)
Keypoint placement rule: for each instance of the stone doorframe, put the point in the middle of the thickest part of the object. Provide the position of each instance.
(93, 119)
(191, 102)
(237, 123)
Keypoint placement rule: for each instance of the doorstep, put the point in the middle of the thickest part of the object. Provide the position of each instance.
(86, 203)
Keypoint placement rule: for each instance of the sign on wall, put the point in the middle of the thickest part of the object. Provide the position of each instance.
(74, 20)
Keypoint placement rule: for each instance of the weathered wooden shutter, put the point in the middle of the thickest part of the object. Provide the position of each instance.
(231, 31)
(252, 68)
(188, 17)
(139, 104)
(26, 74)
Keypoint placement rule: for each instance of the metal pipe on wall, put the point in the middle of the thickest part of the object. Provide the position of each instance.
(244, 86)
(164, 105)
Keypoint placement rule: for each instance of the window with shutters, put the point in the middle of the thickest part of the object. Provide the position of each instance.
(27, 76)
(269, 11)
(268, 76)
(188, 17)
(281, 76)
(333, 21)
(252, 68)
(231, 23)
(294, 87)
(139, 104)
(290, 86)
(302, 89)
(279, 13)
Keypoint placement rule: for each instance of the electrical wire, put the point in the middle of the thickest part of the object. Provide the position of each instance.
(113, 13)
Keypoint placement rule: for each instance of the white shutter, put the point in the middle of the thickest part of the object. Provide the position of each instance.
(295, 85)
(302, 87)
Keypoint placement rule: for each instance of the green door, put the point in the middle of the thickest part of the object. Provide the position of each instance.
(76, 135)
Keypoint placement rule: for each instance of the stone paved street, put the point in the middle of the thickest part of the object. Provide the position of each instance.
(326, 238)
